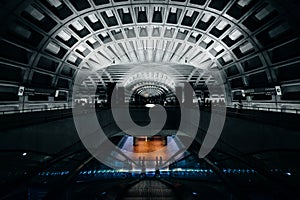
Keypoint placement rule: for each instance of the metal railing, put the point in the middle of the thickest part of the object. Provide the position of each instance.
(4, 112)
(269, 109)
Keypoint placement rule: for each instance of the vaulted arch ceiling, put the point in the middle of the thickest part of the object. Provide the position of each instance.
(46, 43)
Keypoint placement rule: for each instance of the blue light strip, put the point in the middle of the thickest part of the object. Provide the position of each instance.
(176, 171)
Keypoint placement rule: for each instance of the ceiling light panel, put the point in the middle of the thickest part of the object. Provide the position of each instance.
(53, 48)
(93, 18)
(77, 25)
(34, 13)
(55, 3)
(64, 35)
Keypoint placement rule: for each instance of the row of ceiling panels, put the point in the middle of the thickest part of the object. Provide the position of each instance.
(120, 74)
(204, 28)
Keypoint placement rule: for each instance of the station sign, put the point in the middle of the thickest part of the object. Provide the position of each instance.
(262, 91)
(35, 91)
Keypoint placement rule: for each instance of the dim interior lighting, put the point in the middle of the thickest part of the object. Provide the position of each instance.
(289, 174)
(24, 154)
(150, 105)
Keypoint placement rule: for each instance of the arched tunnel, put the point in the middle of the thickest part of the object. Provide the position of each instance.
(149, 99)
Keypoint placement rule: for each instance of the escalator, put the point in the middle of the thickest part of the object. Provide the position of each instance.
(149, 189)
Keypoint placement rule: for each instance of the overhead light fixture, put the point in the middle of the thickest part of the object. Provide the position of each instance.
(221, 25)
(244, 3)
(109, 13)
(55, 3)
(206, 17)
(189, 13)
(81, 48)
(92, 40)
(72, 58)
(235, 35)
(35, 13)
(246, 47)
(264, 12)
(218, 48)
(104, 34)
(93, 18)
(278, 30)
(77, 25)
(24, 154)
(207, 40)
(64, 35)
(53, 48)
(227, 58)
(22, 31)
(150, 105)
(195, 34)
(125, 10)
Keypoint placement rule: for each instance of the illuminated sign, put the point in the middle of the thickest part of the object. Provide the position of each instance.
(278, 90)
(21, 91)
